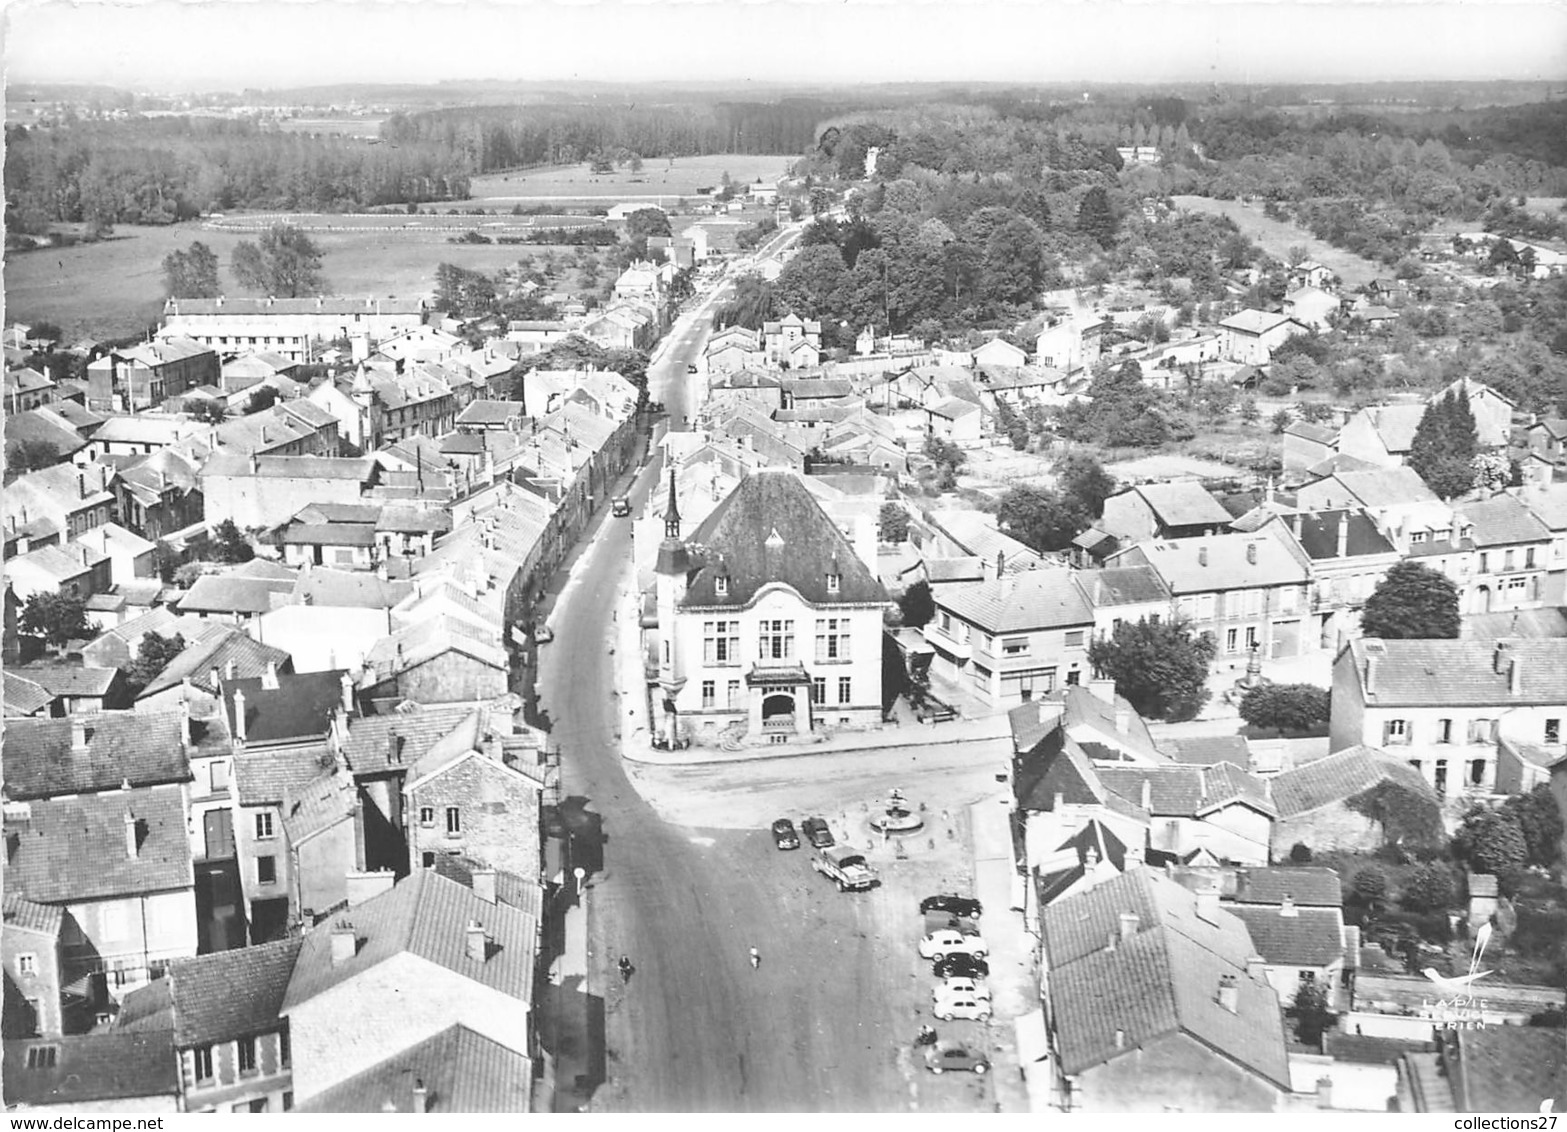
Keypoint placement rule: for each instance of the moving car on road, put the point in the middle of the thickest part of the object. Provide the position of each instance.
(783, 834)
(817, 833)
(948, 1007)
(621, 507)
(965, 906)
(959, 965)
(543, 635)
(955, 1056)
(940, 944)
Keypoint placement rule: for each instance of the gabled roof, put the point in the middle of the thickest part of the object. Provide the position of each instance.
(300, 708)
(1339, 776)
(461, 1071)
(230, 994)
(769, 530)
(142, 747)
(231, 593)
(1308, 431)
(1502, 521)
(1456, 673)
(75, 849)
(1177, 790)
(423, 641)
(1086, 710)
(1122, 585)
(216, 649)
(1254, 321)
(1317, 532)
(22, 915)
(1301, 937)
(69, 680)
(1070, 862)
(1206, 750)
(1014, 603)
(91, 1068)
(22, 696)
(425, 915)
(1182, 503)
(1219, 562)
(1307, 887)
(265, 778)
(380, 743)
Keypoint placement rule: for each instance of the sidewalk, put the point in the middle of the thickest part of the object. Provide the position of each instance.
(1014, 984)
(572, 1016)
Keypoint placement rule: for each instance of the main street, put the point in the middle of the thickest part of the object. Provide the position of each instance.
(825, 1023)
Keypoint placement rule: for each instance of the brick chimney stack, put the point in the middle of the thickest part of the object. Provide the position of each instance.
(345, 942)
(131, 847)
(478, 944)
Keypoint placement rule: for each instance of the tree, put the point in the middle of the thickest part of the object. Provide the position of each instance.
(152, 657)
(948, 458)
(207, 410)
(1039, 516)
(1430, 888)
(1083, 480)
(1491, 471)
(229, 544)
(1444, 446)
(1311, 1013)
(1491, 841)
(264, 397)
(57, 618)
(1411, 602)
(1280, 421)
(1300, 853)
(286, 263)
(1160, 667)
(23, 456)
(464, 293)
(916, 605)
(1286, 707)
(1540, 821)
(1096, 218)
(892, 523)
(165, 560)
(192, 274)
(1369, 888)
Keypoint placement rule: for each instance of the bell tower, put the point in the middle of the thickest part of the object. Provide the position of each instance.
(670, 582)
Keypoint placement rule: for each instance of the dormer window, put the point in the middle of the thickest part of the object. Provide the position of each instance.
(1416, 538)
(721, 585)
(834, 582)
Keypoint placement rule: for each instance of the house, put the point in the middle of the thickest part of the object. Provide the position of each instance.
(1251, 336)
(1310, 273)
(1070, 346)
(732, 348)
(71, 499)
(1511, 547)
(1220, 811)
(1017, 385)
(402, 967)
(1349, 555)
(1012, 637)
(26, 388)
(1183, 509)
(958, 533)
(1324, 804)
(1381, 434)
(239, 594)
(1395, 497)
(265, 491)
(1545, 437)
(1305, 446)
(737, 607)
(1125, 594)
(955, 420)
(1443, 705)
(93, 1073)
(457, 1070)
(30, 946)
(143, 376)
(999, 352)
(160, 495)
(231, 1044)
(43, 426)
(1312, 307)
(1486, 1069)
(1298, 945)
(1249, 591)
(1493, 413)
(1155, 999)
(439, 660)
(295, 328)
(130, 556)
(1548, 503)
(74, 570)
(781, 336)
(73, 690)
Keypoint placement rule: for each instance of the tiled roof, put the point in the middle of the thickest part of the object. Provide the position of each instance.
(1122, 585)
(1444, 672)
(1339, 776)
(965, 569)
(1318, 532)
(214, 649)
(1366, 1049)
(426, 915)
(1161, 979)
(227, 463)
(461, 1071)
(22, 696)
(143, 747)
(1515, 623)
(1205, 750)
(373, 739)
(1053, 765)
(1183, 503)
(1220, 562)
(264, 778)
(230, 994)
(226, 593)
(1384, 487)
(1548, 504)
(976, 533)
(1307, 887)
(69, 680)
(299, 708)
(771, 529)
(1095, 838)
(1084, 707)
(75, 849)
(1312, 937)
(427, 639)
(334, 305)
(351, 589)
(1502, 521)
(1253, 321)
(1036, 599)
(1506, 1068)
(316, 805)
(22, 915)
(91, 1068)
(1307, 431)
(1176, 790)
(42, 426)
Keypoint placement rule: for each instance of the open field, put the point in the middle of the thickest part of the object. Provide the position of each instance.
(343, 127)
(426, 225)
(115, 287)
(660, 177)
(1276, 237)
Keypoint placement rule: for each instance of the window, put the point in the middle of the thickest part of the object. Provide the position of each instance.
(776, 640)
(266, 870)
(27, 962)
(247, 1055)
(844, 685)
(1074, 639)
(427, 816)
(203, 1059)
(1508, 558)
(1480, 731)
(1528, 558)
(1014, 646)
(1073, 677)
(1444, 731)
(453, 821)
(709, 693)
(834, 583)
(721, 585)
(946, 622)
(832, 639)
(288, 1098)
(732, 694)
(1232, 638)
(257, 1105)
(427, 859)
(1395, 731)
(42, 1057)
(1485, 562)
(1553, 731)
(721, 642)
(219, 771)
(1477, 772)
(1416, 538)
(1205, 607)
(264, 825)
(283, 1054)
(1251, 637)
(818, 689)
(1308, 976)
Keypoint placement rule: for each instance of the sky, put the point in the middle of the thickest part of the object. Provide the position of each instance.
(168, 45)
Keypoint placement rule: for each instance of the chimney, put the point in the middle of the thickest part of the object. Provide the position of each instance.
(1254, 968)
(239, 715)
(1371, 675)
(421, 1096)
(1208, 905)
(1287, 907)
(269, 678)
(1134, 857)
(1129, 925)
(1104, 690)
(130, 835)
(484, 885)
(1500, 656)
(478, 945)
(81, 483)
(81, 735)
(1120, 1038)
(185, 713)
(1059, 803)
(1295, 524)
(1202, 556)
(1228, 996)
(1343, 534)
(1251, 554)
(345, 942)
(1111, 941)
(1123, 719)
(1324, 1092)
(347, 684)
(394, 748)
(217, 681)
(1147, 794)
(1001, 563)
(1515, 677)
(232, 669)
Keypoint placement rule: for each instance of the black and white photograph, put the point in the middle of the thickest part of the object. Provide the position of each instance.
(784, 556)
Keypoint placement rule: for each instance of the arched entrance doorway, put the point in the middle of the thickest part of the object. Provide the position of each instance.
(777, 706)
(1483, 599)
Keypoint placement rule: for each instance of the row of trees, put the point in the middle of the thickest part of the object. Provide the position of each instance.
(285, 263)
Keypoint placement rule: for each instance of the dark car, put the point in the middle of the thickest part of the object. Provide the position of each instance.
(965, 906)
(783, 834)
(944, 1056)
(817, 833)
(960, 965)
(690, 367)
(935, 921)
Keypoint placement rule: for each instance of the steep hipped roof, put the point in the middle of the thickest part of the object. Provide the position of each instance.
(1299, 937)
(1459, 673)
(425, 915)
(461, 1071)
(1015, 603)
(144, 748)
(230, 994)
(771, 530)
(1339, 776)
(76, 849)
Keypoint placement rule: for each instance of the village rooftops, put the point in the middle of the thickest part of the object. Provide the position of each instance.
(1179, 790)
(223, 996)
(89, 753)
(1459, 673)
(1502, 521)
(1220, 562)
(1293, 936)
(1343, 774)
(1307, 887)
(299, 709)
(91, 1069)
(1254, 321)
(333, 305)
(456, 1070)
(290, 467)
(1308, 431)
(1182, 503)
(1035, 599)
(74, 849)
(233, 593)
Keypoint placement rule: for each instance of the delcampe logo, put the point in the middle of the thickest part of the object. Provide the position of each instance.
(1458, 1008)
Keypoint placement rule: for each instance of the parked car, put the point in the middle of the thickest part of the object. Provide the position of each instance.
(957, 985)
(543, 635)
(960, 965)
(783, 834)
(817, 833)
(959, 1006)
(940, 944)
(621, 507)
(965, 906)
(955, 1056)
(935, 921)
(690, 367)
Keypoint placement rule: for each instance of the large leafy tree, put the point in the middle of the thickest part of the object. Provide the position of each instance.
(285, 263)
(1310, 1010)
(1286, 707)
(917, 605)
(1430, 888)
(1412, 601)
(56, 618)
(1491, 841)
(1042, 517)
(814, 282)
(1096, 216)
(229, 543)
(1443, 450)
(464, 293)
(192, 274)
(892, 523)
(152, 657)
(1540, 821)
(1161, 667)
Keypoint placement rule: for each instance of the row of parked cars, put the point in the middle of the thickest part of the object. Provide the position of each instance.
(815, 830)
(957, 953)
